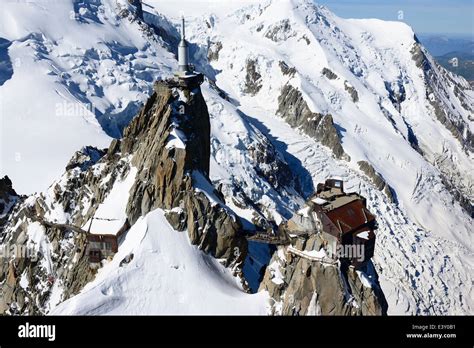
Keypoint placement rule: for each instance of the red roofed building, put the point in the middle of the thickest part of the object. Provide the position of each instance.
(344, 219)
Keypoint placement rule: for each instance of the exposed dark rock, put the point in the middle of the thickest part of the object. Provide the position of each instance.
(269, 165)
(299, 286)
(412, 138)
(113, 148)
(280, 31)
(352, 91)
(396, 93)
(133, 12)
(137, 4)
(376, 179)
(85, 158)
(79, 195)
(459, 92)
(126, 260)
(177, 218)
(6, 188)
(285, 69)
(213, 50)
(8, 199)
(166, 175)
(294, 109)
(155, 30)
(329, 74)
(164, 171)
(306, 39)
(459, 196)
(67, 255)
(253, 79)
(221, 92)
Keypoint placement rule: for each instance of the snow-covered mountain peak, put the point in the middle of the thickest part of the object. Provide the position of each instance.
(295, 95)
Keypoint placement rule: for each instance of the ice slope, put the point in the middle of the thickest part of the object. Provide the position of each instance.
(111, 215)
(166, 276)
(232, 134)
(80, 71)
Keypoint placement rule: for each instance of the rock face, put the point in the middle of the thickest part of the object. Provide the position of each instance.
(376, 179)
(285, 69)
(85, 158)
(168, 143)
(213, 51)
(329, 74)
(44, 253)
(175, 178)
(280, 31)
(269, 165)
(299, 286)
(131, 8)
(352, 92)
(138, 7)
(8, 198)
(294, 109)
(253, 79)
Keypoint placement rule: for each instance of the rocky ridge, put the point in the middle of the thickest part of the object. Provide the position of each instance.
(294, 109)
(168, 142)
(300, 286)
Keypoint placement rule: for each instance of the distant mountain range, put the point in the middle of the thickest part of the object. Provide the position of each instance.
(445, 48)
(460, 63)
(441, 44)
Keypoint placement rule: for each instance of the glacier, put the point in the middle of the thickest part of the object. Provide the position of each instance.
(93, 55)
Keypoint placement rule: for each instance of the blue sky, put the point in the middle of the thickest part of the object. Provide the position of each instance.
(425, 16)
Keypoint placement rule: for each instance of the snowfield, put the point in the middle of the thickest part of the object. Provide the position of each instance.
(166, 276)
(75, 79)
(106, 64)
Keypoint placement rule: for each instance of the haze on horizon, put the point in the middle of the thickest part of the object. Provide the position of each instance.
(427, 17)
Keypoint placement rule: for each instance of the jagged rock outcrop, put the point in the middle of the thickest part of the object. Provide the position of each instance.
(213, 50)
(168, 145)
(175, 178)
(253, 78)
(45, 250)
(85, 158)
(329, 74)
(299, 286)
(347, 86)
(138, 7)
(8, 198)
(280, 31)
(285, 69)
(352, 91)
(376, 179)
(396, 93)
(294, 109)
(269, 165)
(132, 9)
